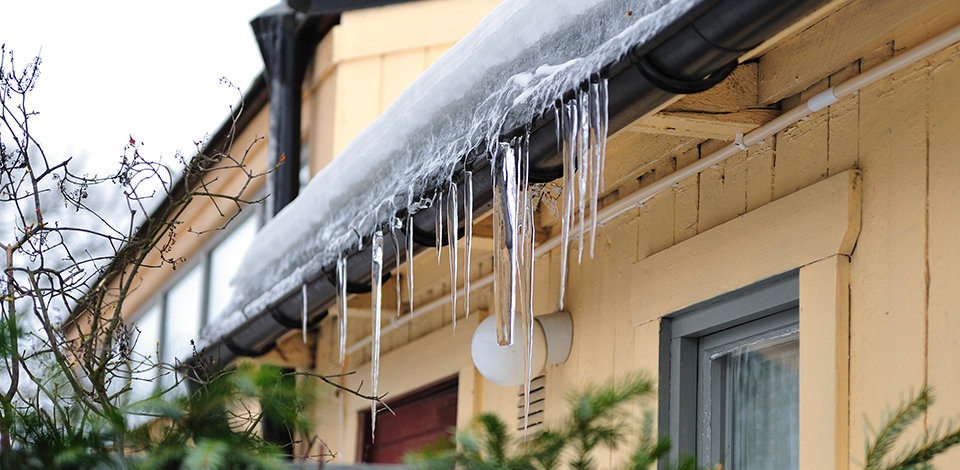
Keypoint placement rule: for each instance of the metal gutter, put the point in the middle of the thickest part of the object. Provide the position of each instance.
(691, 56)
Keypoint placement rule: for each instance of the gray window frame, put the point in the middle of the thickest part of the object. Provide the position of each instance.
(774, 301)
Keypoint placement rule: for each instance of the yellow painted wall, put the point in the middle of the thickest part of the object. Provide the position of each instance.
(876, 247)
(368, 59)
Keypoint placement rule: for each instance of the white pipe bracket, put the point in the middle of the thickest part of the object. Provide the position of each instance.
(738, 141)
(822, 100)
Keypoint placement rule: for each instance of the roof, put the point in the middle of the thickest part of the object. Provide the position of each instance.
(447, 113)
(450, 115)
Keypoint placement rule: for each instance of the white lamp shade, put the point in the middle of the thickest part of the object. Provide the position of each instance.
(504, 365)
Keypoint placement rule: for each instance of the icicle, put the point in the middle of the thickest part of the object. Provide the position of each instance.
(342, 303)
(452, 227)
(604, 126)
(558, 122)
(526, 248)
(303, 313)
(468, 237)
(396, 253)
(569, 117)
(597, 149)
(583, 165)
(439, 224)
(376, 278)
(596, 159)
(504, 171)
(410, 260)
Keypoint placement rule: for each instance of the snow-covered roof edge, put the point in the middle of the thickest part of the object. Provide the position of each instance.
(532, 55)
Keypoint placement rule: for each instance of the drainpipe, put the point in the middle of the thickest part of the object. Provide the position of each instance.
(277, 31)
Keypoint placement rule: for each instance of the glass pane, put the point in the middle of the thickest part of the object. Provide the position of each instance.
(183, 317)
(761, 398)
(143, 361)
(224, 261)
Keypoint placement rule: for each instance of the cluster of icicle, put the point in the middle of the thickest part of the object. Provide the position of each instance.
(581, 129)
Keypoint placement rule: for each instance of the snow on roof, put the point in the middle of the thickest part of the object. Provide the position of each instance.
(513, 66)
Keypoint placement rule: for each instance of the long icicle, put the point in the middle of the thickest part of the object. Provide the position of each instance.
(452, 227)
(303, 312)
(410, 261)
(505, 239)
(569, 117)
(583, 165)
(342, 304)
(596, 159)
(604, 125)
(439, 224)
(527, 250)
(396, 256)
(376, 275)
(468, 237)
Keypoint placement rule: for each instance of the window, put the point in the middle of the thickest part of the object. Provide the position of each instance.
(224, 260)
(183, 317)
(146, 342)
(198, 294)
(730, 378)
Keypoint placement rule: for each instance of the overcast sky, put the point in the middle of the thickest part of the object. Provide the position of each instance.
(119, 68)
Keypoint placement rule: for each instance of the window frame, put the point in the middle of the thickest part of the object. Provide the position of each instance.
(776, 298)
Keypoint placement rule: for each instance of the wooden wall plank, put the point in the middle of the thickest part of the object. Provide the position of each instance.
(399, 70)
(355, 105)
(801, 150)
(717, 202)
(656, 216)
(888, 311)
(944, 251)
(851, 32)
(759, 174)
(844, 126)
(374, 31)
(686, 199)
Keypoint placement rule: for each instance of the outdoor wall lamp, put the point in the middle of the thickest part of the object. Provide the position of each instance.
(504, 365)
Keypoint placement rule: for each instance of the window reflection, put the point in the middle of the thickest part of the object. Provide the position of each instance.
(146, 338)
(182, 316)
(224, 261)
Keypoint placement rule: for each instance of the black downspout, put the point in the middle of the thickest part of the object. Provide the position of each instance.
(278, 34)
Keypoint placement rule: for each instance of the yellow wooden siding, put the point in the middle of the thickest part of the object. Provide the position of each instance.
(776, 207)
(414, 25)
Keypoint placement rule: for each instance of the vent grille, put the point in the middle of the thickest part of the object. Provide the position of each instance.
(538, 401)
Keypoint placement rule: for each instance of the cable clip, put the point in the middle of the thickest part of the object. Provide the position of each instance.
(738, 141)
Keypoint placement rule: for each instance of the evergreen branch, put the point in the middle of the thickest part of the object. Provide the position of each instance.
(896, 424)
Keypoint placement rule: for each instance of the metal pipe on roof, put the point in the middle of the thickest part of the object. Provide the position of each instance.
(278, 34)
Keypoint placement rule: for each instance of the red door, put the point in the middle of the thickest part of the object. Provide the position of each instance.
(423, 417)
